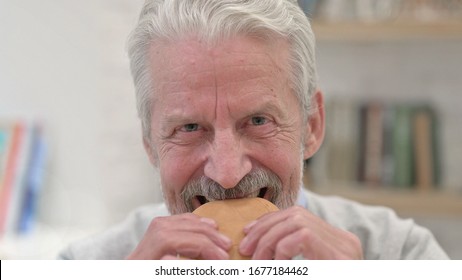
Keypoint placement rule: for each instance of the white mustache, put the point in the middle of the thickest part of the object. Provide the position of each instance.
(249, 186)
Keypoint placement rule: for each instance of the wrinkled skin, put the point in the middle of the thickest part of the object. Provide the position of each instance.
(222, 112)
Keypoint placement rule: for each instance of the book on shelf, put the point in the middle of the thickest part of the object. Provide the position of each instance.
(5, 136)
(23, 158)
(402, 146)
(9, 172)
(427, 165)
(18, 177)
(33, 181)
(381, 144)
(372, 131)
(341, 139)
(388, 158)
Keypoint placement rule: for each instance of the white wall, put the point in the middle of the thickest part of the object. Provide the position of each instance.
(64, 62)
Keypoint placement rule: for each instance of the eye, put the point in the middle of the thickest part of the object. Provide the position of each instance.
(258, 120)
(260, 126)
(190, 127)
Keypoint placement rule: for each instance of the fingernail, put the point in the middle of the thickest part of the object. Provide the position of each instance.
(249, 226)
(226, 240)
(243, 246)
(208, 221)
(222, 255)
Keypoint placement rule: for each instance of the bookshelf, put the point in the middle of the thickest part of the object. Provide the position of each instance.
(407, 203)
(343, 29)
(370, 20)
(386, 31)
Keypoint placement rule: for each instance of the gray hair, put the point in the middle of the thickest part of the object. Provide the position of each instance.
(215, 20)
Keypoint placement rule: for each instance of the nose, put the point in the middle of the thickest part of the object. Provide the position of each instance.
(227, 161)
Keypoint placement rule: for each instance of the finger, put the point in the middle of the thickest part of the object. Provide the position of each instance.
(304, 243)
(170, 257)
(183, 220)
(269, 219)
(193, 224)
(217, 237)
(185, 244)
(266, 218)
(189, 234)
(272, 226)
(265, 246)
(199, 247)
(313, 239)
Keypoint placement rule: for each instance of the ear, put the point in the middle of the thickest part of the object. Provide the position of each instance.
(314, 132)
(149, 150)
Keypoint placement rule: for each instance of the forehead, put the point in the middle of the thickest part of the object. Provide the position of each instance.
(221, 84)
(237, 77)
(189, 59)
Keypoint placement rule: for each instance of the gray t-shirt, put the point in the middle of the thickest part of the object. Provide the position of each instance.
(383, 235)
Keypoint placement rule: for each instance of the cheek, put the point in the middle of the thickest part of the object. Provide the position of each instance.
(284, 161)
(176, 168)
(174, 174)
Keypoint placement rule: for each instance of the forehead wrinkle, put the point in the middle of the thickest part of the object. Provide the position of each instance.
(257, 79)
(276, 54)
(183, 73)
(181, 68)
(253, 72)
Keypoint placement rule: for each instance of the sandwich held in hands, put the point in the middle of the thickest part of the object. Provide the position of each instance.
(232, 215)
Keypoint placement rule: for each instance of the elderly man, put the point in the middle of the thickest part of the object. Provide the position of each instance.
(229, 105)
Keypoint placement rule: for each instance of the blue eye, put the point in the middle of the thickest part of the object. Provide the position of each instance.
(259, 120)
(190, 127)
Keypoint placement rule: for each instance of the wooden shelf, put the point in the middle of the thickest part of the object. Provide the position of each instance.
(386, 31)
(404, 202)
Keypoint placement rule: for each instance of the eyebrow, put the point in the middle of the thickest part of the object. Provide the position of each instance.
(172, 119)
(268, 106)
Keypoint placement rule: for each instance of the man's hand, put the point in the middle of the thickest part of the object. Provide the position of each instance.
(293, 232)
(185, 235)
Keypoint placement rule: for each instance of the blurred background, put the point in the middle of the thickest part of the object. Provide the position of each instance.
(71, 156)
